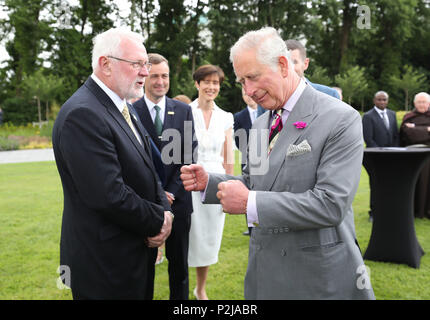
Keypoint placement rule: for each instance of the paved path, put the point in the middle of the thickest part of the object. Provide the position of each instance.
(33, 155)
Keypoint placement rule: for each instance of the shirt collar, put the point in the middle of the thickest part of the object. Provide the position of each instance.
(151, 105)
(119, 103)
(381, 112)
(291, 102)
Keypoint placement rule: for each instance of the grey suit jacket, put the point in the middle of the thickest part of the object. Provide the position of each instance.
(304, 246)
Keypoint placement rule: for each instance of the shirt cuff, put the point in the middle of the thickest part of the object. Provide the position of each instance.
(251, 209)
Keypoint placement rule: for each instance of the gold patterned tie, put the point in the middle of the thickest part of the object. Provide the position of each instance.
(126, 114)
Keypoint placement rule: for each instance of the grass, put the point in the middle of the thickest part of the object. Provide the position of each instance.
(30, 220)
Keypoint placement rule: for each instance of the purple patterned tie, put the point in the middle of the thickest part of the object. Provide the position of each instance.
(275, 129)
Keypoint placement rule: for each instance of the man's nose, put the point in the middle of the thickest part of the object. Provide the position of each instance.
(143, 72)
(249, 88)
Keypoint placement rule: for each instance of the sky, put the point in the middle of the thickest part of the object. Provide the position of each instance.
(123, 6)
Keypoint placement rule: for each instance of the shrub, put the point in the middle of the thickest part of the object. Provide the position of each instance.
(8, 144)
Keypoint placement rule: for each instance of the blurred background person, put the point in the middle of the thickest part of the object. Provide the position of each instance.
(301, 64)
(379, 129)
(380, 124)
(214, 132)
(183, 98)
(1, 116)
(415, 129)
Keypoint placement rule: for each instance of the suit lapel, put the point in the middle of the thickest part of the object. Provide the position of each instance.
(169, 114)
(118, 117)
(302, 111)
(147, 121)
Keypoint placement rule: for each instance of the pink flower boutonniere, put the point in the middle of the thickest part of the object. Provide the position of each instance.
(300, 124)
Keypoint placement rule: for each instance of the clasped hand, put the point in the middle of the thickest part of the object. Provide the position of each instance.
(158, 240)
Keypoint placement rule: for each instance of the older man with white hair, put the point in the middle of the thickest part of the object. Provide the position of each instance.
(303, 245)
(415, 130)
(115, 211)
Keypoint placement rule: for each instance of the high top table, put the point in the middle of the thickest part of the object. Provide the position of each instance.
(394, 173)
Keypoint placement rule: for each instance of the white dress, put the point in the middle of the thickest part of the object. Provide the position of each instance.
(207, 220)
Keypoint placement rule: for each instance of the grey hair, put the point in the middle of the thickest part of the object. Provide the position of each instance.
(108, 43)
(425, 94)
(381, 92)
(268, 43)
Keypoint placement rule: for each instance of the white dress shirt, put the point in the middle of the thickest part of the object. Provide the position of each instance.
(152, 111)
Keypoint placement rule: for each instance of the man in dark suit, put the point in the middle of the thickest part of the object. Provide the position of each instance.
(380, 124)
(159, 114)
(115, 211)
(301, 64)
(379, 130)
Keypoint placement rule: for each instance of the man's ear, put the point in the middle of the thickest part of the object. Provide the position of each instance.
(306, 64)
(105, 66)
(283, 65)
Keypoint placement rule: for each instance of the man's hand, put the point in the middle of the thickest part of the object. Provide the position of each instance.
(194, 177)
(170, 197)
(233, 196)
(158, 240)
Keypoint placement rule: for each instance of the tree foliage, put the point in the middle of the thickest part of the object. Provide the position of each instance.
(390, 52)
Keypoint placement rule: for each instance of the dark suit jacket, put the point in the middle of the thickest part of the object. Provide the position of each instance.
(376, 134)
(242, 120)
(177, 116)
(113, 200)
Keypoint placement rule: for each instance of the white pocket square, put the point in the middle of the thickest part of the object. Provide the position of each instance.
(301, 148)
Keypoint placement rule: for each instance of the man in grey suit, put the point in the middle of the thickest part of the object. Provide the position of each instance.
(298, 189)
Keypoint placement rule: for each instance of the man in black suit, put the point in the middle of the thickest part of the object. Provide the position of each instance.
(115, 211)
(380, 124)
(164, 117)
(379, 129)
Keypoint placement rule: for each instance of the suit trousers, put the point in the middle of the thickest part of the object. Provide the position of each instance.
(177, 255)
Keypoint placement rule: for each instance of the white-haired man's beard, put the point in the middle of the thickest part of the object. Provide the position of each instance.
(132, 91)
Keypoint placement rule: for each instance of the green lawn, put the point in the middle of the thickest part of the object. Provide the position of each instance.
(30, 222)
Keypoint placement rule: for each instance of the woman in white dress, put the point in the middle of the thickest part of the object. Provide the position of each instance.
(213, 128)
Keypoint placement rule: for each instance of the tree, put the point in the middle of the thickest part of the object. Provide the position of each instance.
(353, 83)
(30, 35)
(410, 83)
(319, 75)
(42, 88)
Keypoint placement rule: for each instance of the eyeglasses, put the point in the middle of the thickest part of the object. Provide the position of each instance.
(135, 64)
